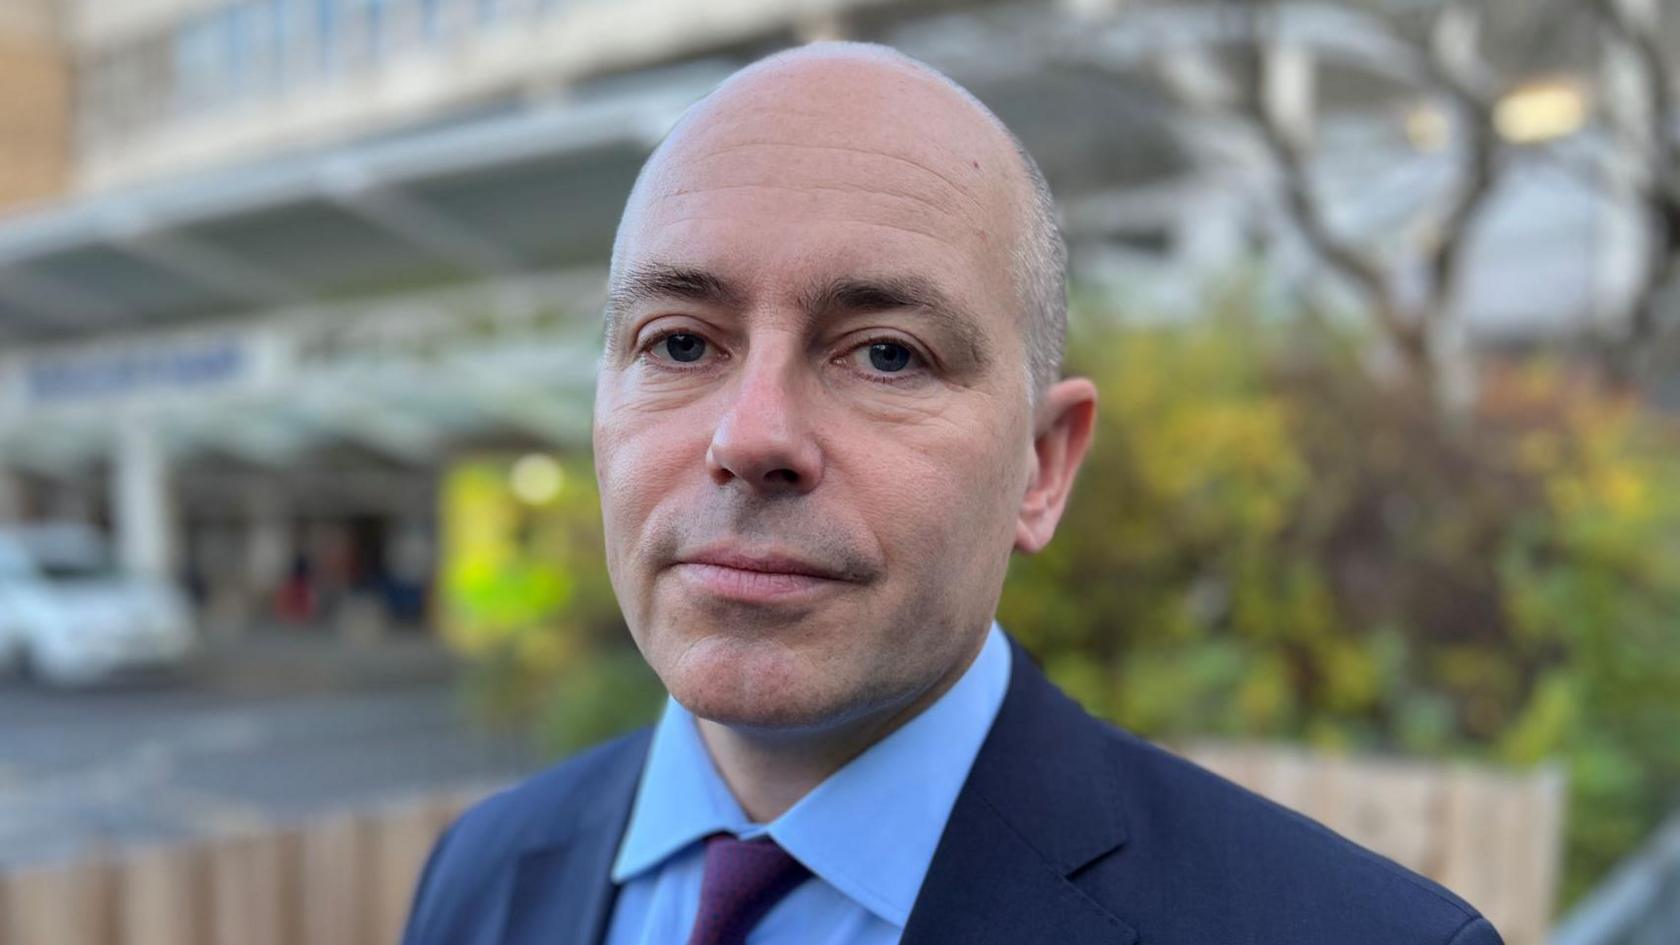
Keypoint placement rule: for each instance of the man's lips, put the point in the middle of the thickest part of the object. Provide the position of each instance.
(757, 577)
(768, 563)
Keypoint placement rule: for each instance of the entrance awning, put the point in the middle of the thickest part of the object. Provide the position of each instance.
(532, 190)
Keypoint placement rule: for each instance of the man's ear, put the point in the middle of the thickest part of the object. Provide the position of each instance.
(1061, 435)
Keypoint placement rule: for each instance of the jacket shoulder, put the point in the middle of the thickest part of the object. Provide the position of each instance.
(464, 877)
(547, 804)
(1278, 874)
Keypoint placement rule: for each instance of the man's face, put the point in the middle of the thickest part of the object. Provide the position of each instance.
(812, 428)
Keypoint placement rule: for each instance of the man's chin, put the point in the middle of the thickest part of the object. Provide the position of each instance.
(758, 685)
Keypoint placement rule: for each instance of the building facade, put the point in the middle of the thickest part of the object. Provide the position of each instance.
(35, 105)
(267, 267)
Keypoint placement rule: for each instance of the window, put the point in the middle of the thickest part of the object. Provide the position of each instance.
(296, 50)
(262, 34)
(235, 68)
(432, 18)
(198, 64)
(371, 24)
(327, 57)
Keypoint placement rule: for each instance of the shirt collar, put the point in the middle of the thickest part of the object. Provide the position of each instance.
(869, 830)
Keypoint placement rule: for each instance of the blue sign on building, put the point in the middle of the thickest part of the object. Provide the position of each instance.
(120, 373)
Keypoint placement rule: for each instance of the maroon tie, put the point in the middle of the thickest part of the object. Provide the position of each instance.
(743, 879)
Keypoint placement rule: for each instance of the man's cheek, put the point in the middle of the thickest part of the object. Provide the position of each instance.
(627, 503)
(918, 508)
(642, 463)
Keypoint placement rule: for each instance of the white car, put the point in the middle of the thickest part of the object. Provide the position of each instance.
(69, 616)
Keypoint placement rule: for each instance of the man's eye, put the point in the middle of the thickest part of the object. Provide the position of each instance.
(889, 358)
(682, 346)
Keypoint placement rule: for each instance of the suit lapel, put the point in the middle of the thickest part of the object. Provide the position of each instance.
(1041, 803)
(562, 891)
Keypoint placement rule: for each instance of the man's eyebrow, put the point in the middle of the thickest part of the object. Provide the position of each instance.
(660, 281)
(843, 295)
(853, 294)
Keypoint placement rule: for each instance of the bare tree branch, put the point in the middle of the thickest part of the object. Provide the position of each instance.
(1452, 70)
(1659, 190)
(1471, 97)
(1466, 86)
(1309, 216)
(1658, 89)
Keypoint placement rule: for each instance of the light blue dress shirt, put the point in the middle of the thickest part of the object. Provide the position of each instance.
(867, 833)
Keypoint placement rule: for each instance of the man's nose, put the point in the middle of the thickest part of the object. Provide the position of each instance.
(763, 439)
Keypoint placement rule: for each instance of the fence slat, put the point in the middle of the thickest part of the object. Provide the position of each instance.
(249, 890)
(59, 905)
(402, 838)
(162, 899)
(332, 869)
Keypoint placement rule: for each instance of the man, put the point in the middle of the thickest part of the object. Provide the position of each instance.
(827, 413)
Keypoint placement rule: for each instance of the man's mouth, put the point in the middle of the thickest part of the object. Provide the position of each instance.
(757, 576)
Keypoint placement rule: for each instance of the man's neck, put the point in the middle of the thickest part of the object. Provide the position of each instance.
(769, 772)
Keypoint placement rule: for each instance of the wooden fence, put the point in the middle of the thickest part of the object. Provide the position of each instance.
(348, 879)
(1494, 837)
(339, 880)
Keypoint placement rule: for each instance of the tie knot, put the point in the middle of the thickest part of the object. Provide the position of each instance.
(743, 879)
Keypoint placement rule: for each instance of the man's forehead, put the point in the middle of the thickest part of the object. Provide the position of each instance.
(850, 94)
(852, 110)
(851, 115)
(937, 175)
(813, 169)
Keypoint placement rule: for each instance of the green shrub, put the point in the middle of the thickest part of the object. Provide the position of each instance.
(526, 597)
(1266, 543)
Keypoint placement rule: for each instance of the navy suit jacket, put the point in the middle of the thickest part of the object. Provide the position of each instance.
(1068, 831)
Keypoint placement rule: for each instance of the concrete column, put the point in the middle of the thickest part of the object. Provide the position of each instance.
(268, 542)
(268, 551)
(141, 507)
(11, 497)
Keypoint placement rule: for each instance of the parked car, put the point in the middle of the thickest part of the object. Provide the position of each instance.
(70, 616)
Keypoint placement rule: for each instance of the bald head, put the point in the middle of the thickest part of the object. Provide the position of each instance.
(967, 173)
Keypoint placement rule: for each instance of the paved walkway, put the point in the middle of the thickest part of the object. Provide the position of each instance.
(274, 726)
